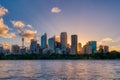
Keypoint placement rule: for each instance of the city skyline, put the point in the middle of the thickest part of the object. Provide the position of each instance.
(90, 20)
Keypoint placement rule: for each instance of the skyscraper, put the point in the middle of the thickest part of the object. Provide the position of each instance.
(57, 47)
(101, 49)
(33, 46)
(51, 44)
(79, 47)
(15, 49)
(74, 44)
(57, 44)
(93, 45)
(106, 49)
(63, 40)
(1, 49)
(87, 49)
(38, 48)
(23, 50)
(44, 41)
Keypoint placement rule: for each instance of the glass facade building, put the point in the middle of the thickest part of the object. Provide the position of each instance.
(44, 41)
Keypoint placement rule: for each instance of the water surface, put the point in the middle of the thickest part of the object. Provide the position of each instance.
(60, 70)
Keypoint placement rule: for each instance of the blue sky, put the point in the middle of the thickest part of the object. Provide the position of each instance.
(91, 19)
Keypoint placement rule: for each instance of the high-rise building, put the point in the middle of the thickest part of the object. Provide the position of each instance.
(63, 40)
(79, 47)
(7, 51)
(68, 49)
(51, 44)
(101, 49)
(33, 46)
(58, 47)
(87, 49)
(15, 49)
(38, 49)
(23, 50)
(106, 49)
(93, 45)
(74, 44)
(1, 49)
(44, 41)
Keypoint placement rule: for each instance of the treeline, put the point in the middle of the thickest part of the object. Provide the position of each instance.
(54, 56)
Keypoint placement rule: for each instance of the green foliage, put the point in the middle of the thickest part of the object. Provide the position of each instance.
(54, 56)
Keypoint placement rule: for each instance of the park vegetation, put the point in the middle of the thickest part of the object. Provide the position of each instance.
(54, 56)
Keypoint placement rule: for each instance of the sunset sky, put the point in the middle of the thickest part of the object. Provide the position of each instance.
(90, 19)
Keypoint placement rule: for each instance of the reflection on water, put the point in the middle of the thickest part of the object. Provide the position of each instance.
(60, 70)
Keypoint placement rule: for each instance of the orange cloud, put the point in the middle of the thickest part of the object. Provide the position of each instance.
(4, 29)
(28, 35)
(6, 45)
(56, 10)
(3, 11)
(107, 39)
(24, 33)
(115, 48)
(18, 24)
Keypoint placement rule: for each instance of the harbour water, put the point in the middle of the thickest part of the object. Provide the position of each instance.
(60, 70)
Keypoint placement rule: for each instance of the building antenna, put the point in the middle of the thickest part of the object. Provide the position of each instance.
(22, 42)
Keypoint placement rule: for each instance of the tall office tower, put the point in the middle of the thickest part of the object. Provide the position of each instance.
(51, 44)
(68, 49)
(1, 49)
(63, 40)
(100, 50)
(93, 45)
(74, 44)
(15, 49)
(58, 45)
(106, 49)
(44, 41)
(87, 49)
(23, 50)
(38, 48)
(7, 51)
(79, 47)
(33, 46)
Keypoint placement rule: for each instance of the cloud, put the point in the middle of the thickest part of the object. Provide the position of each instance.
(4, 30)
(3, 11)
(56, 10)
(28, 35)
(112, 43)
(18, 24)
(10, 35)
(116, 47)
(6, 46)
(25, 33)
(107, 39)
(29, 26)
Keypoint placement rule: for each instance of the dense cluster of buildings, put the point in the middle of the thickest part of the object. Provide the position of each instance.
(58, 45)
